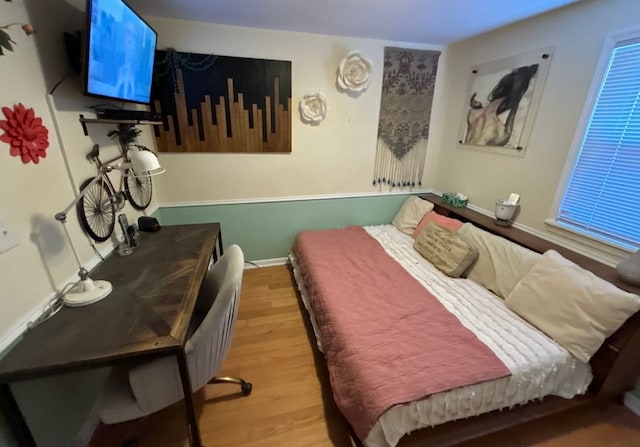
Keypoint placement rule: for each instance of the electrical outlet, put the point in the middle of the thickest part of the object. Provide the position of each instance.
(7, 238)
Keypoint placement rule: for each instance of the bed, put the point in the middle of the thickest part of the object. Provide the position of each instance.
(499, 360)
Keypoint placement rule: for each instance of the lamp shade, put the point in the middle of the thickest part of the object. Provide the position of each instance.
(145, 162)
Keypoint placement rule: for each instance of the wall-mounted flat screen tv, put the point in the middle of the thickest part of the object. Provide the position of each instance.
(120, 50)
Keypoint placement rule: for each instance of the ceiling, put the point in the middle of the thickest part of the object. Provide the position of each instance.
(420, 21)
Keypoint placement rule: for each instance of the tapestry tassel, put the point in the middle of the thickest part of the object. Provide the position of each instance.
(404, 172)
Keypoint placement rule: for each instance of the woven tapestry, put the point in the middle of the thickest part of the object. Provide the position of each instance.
(405, 108)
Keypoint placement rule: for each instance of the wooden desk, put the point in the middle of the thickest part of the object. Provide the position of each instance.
(146, 315)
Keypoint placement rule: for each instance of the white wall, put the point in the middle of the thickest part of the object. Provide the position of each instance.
(577, 32)
(335, 157)
(30, 196)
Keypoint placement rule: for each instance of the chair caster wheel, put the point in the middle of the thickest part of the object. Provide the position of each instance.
(246, 388)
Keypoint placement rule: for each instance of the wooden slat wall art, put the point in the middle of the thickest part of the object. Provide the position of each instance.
(231, 105)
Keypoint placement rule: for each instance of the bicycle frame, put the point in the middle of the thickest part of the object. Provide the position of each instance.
(119, 197)
(99, 200)
(102, 170)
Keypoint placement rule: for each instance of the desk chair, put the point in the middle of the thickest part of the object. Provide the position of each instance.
(138, 390)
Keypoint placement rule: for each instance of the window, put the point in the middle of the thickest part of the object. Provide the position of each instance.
(602, 196)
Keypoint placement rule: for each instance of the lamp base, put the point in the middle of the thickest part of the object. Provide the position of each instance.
(87, 292)
(503, 223)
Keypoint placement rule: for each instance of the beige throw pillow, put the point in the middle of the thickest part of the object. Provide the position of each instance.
(411, 213)
(447, 251)
(571, 305)
(500, 264)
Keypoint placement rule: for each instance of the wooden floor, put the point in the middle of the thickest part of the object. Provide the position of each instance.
(291, 403)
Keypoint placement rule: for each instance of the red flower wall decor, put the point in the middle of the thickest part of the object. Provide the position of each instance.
(26, 135)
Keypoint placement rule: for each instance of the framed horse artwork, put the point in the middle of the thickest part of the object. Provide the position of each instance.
(501, 102)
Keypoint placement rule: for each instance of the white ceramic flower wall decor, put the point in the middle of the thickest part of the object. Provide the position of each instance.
(353, 72)
(313, 108)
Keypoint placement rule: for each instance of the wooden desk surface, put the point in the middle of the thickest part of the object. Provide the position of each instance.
(148, 311)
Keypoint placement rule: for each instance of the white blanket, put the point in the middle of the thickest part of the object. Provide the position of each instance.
(539, 366)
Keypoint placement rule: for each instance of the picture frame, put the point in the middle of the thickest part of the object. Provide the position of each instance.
(501, 102)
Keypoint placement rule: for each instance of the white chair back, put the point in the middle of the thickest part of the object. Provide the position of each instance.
(220, 291)
(135, 391)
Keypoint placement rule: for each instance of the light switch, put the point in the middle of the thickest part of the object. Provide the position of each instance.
(7, 238)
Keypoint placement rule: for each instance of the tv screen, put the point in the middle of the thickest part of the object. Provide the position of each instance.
(120, 51)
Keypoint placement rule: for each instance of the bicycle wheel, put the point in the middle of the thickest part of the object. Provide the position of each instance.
(95, 210)
(138, 189)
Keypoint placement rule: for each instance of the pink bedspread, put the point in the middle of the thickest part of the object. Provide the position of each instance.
(386, 339)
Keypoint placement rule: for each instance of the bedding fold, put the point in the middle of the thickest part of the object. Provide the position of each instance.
(387, 340)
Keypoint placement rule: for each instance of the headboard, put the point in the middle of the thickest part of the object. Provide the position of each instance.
(616, 365)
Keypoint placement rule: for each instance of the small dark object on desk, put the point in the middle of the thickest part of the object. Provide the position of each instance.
(149, 224)
(132, 236)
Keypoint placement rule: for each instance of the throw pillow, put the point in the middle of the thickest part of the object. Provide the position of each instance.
(432, 216)
(500, 264)
(447, 251)
(571, 305)
(410, 213)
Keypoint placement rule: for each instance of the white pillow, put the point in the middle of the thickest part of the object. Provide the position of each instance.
(500, 263)
(411, 213)
(571, 305)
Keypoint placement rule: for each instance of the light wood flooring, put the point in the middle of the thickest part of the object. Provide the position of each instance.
(291, 402)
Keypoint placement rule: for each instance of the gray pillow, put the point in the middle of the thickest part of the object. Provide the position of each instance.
(447, 251)
(500, 263)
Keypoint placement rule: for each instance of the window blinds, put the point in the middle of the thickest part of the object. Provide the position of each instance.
(603, 193)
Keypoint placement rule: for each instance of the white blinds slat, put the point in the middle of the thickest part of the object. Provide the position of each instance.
(603, 194)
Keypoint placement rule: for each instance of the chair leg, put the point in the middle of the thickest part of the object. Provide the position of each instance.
(245, 386)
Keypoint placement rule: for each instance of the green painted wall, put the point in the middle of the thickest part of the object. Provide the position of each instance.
(266, 230)
(6, 437)
(55, 407)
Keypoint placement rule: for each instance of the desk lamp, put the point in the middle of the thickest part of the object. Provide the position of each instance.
(87, 291)
(143, 161)
(506, 210)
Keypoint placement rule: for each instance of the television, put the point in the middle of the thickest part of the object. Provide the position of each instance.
(120, 49)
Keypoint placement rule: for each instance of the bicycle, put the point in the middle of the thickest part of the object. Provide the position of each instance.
(101, 201)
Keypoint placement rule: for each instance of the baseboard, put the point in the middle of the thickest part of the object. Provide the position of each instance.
(632, 402)
(265, 263)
